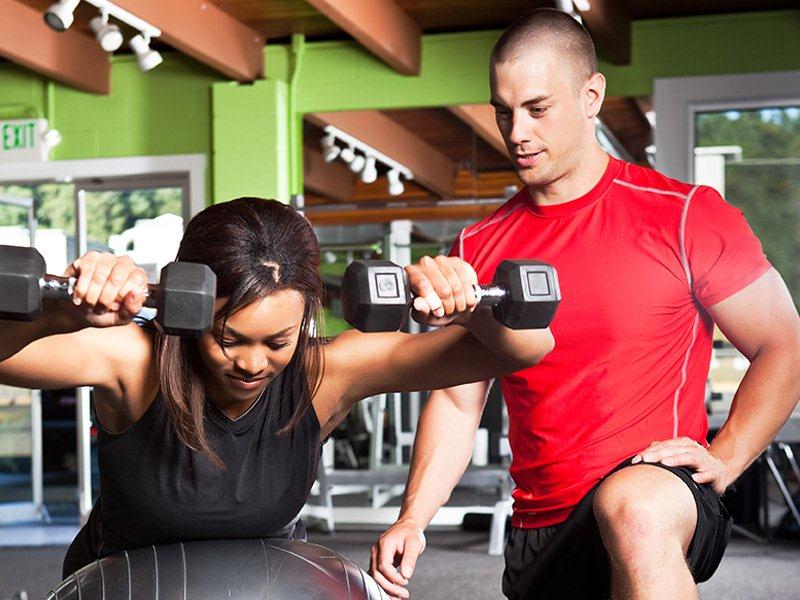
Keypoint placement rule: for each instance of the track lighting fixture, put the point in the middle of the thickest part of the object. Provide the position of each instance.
(61, 14)
(348, 155)
(146, 56)
(366, 161)
(331, 153)
(370, 172)
(107, 34)
(329, 148)
(396, 186)
(358, 164)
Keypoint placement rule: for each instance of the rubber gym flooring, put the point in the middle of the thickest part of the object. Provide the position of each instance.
(456, 566)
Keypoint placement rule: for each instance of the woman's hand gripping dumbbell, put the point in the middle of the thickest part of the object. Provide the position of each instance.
(377, 294)
(107, 290)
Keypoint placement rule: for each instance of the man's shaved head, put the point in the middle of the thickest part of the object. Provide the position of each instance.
(553, 29)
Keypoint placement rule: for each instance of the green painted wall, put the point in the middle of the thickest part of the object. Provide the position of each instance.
(342, 76)
(165, 111)
(250, 132)
(708, 45)
(183, 107)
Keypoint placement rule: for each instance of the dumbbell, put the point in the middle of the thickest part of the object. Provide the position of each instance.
(524, 294)
(184, 298)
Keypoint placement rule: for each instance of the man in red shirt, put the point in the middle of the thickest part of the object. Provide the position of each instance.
(616, 486)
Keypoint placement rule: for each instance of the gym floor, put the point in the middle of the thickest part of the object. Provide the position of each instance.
(456, 565)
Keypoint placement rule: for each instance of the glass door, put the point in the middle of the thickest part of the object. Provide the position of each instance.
(29, 216)
(142, 217)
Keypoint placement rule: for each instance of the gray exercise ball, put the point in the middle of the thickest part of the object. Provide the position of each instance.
(252, 569)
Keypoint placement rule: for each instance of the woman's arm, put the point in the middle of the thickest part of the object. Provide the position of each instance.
(73, 344)
(372, 363)
(359, 364)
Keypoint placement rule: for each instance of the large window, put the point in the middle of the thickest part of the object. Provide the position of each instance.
(763, 177)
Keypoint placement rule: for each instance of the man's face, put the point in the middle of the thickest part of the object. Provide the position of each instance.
(541, 111)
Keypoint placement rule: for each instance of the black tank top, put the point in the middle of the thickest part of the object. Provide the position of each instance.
(155, 490)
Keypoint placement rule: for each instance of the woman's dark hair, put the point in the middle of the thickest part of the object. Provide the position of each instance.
(256, 247)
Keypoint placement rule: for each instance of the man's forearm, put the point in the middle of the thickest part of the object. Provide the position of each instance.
(764, 401)
(442, 449)
(524, 347)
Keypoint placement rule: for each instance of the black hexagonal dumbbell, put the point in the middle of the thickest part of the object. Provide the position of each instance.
(524, 294)
(184, 298)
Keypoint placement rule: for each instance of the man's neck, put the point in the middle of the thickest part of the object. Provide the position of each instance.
(574, 184)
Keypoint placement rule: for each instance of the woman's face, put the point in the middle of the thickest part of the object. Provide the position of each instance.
(256, 344)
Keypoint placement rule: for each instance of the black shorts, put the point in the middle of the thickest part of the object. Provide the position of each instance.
(568, 561)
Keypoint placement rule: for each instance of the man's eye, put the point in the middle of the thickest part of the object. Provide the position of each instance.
(537, 111)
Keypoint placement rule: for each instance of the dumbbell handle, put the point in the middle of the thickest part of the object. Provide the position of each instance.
(489, 295)
(61, 288)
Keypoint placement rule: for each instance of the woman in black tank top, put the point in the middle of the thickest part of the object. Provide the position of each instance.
(219, 437)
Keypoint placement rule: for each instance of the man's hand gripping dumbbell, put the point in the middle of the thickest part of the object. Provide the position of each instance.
(376, 294)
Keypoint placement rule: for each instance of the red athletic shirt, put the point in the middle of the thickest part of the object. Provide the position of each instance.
(639, 257)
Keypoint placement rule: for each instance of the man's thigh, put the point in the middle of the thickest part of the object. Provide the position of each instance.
(644, 511)
(572, 561)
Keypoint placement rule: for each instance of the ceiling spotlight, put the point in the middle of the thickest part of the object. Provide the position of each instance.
(348, 154)
(148, 58)
(108, 35)
(396, 186)
(331, 153)
(329, 148)
(370, 172)
(59, 16)
(358, 163)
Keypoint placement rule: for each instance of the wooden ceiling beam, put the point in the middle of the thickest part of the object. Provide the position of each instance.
(202, 30)
(480, 117)
(381, 26)
(333, 180)
(609, 22)
(491, 184)
(431, 168)
(69, 56)
(413, 213)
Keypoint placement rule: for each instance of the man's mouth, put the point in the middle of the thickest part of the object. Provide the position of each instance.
(526, 160)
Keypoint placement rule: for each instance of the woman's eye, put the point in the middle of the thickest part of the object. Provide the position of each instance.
(226, 343)
(278, 346)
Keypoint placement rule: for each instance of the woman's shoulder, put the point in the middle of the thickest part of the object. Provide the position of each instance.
(132, 351)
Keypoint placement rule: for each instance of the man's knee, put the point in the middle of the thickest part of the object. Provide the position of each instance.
(643, 507)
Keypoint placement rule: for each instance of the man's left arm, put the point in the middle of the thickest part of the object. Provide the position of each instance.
(761, 321)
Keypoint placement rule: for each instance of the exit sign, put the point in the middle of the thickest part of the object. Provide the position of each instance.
(23, 140)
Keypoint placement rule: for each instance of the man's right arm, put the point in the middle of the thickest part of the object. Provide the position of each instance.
(442, 451)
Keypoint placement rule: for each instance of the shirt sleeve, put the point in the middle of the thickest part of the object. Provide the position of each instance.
(458, 247)
(722, 253)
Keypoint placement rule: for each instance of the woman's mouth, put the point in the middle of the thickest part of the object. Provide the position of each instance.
(245, 384)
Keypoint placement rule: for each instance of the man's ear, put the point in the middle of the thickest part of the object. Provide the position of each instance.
(593, 94)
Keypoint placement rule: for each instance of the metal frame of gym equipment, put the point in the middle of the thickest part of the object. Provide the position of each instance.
(386, 482)
(13, 512)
